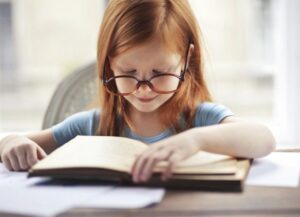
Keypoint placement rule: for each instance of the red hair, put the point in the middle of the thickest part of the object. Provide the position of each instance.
(127, 23)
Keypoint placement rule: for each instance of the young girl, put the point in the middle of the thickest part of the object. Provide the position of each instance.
(152, 89)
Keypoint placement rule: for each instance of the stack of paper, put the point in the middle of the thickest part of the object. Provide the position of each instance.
(25, 196)
(281, 169)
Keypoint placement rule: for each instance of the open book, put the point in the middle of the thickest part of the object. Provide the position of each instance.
(111, 158)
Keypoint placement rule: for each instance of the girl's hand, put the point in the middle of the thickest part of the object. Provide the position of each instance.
(173, 150)
(20, 153)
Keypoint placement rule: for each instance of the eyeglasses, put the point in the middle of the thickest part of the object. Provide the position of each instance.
(163, 83)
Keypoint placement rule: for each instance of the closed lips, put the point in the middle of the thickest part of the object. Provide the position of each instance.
(146, 99)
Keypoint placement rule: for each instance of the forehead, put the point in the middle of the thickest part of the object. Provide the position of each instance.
(154, 51)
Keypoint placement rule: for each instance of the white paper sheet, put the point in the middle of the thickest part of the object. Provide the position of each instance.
(45, 201)
(277, 169)
(21, 195)
(288, 148)
(16, 179)
(127, 197)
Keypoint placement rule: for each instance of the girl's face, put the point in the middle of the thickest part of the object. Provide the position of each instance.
(143, 62)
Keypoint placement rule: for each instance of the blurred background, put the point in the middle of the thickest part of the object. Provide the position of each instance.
(251, 57)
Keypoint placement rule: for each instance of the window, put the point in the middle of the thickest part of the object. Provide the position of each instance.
(252, 59)
(7, 48)
(40, 43)
(239, 56)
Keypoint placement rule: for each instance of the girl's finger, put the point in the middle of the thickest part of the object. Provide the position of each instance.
(151, 149)
(134, 168)
(7, 163)
(14, 161)
(139, 161)
(41, 153)
(172, 162)
(138, 164)
(31, 156)
(150, 163)
(134, 164)
(22, 158)
(143, 163)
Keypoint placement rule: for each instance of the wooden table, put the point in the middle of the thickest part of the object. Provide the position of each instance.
(253, 201)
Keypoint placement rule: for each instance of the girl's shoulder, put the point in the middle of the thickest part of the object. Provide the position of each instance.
(81, 123)
(85, 117)
(210, 113)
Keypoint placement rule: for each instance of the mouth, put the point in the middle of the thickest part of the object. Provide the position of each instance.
(146, 99)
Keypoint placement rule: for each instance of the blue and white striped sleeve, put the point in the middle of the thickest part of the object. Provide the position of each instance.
(210, 114)
(82, 123)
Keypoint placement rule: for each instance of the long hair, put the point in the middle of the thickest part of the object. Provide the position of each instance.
(127, 23)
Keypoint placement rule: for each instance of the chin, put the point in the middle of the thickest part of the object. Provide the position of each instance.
(146, 108)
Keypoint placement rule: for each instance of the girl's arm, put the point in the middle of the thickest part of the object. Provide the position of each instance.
(44, 139)
(234, 137)
(19, 152)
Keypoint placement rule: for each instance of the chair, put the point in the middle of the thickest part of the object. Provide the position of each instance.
(77, 92)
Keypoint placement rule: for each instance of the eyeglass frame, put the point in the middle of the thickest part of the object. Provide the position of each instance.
(146, 81)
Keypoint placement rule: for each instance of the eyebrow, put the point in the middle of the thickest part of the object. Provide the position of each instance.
(162, 68)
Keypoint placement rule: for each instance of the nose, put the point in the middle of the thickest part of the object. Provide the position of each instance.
(144, 87)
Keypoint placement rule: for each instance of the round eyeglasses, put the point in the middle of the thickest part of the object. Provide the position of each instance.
(162, 83)
(126, 84)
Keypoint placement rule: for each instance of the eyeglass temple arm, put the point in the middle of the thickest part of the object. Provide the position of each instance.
(187, 59)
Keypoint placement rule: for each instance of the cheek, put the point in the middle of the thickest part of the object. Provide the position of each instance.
(128, 98)
(165, 97)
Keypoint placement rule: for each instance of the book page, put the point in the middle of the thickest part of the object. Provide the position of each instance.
(201, 158)
(241, 173)
(119, 153)
(228, 166)
(116, 153)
